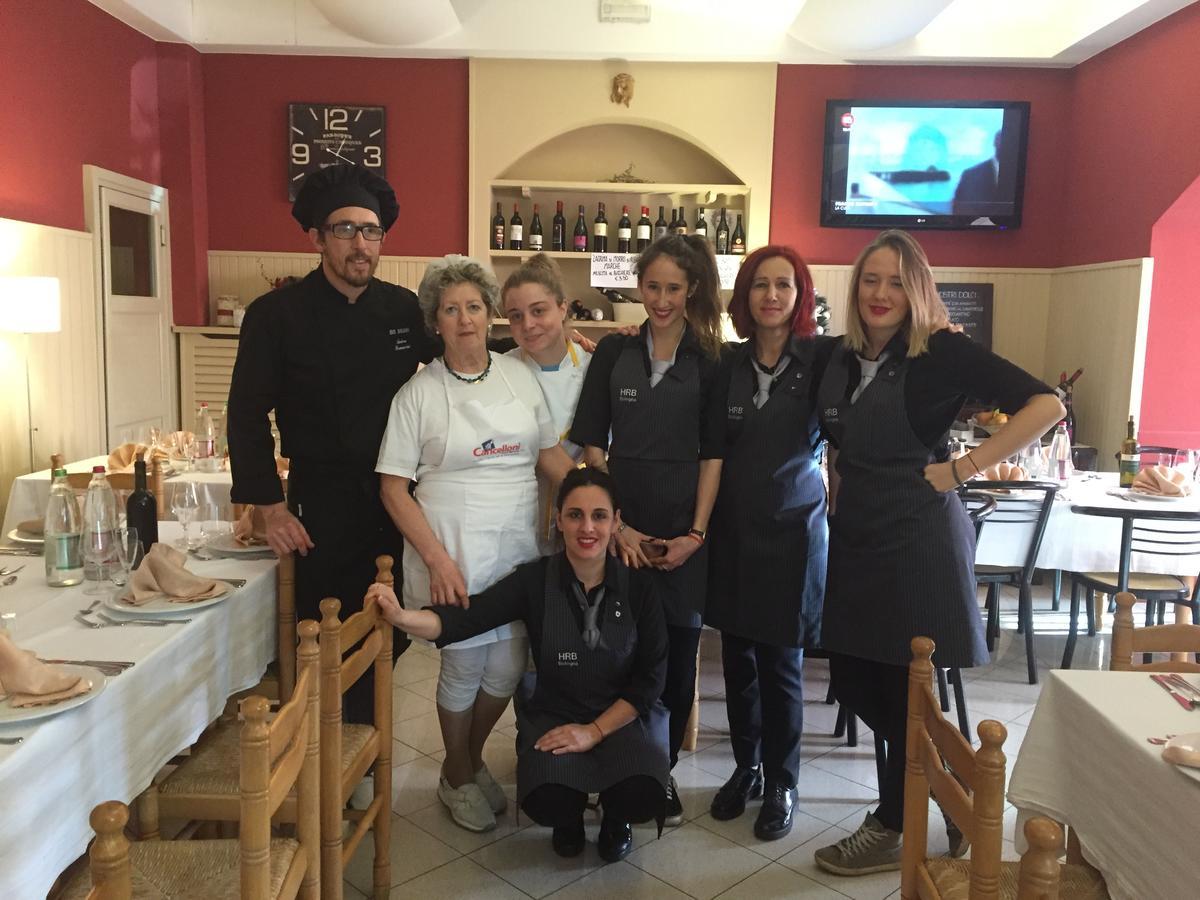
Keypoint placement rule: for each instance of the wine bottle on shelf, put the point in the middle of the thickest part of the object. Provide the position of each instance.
(580, 236)
(660, 227)
(671, 228)
(516, 230)
(558, 230)
(535, 231)
(737, 242)
(701, 225)
(722, 234)
(498, 229)
(141, 509)
(1131, 458)
(600, 231)
(681, 222)
(624, 231)
(643, 230)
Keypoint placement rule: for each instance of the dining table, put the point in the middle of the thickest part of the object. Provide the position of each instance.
(111, 746)
(1088, 761)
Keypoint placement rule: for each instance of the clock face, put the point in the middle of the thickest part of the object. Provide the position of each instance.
(322, 134)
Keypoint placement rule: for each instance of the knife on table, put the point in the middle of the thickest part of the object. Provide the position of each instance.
(1165, 684)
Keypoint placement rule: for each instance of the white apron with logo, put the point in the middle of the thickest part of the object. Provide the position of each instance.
(481, 502)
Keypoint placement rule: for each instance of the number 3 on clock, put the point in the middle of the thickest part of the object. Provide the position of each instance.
(328, 134)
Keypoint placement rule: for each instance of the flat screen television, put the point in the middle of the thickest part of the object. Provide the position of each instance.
(929, 164)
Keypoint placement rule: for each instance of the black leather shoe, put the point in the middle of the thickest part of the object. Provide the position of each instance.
(616, 840)
(568, 840)
(730, 802)
(778, 810)
(674, 808)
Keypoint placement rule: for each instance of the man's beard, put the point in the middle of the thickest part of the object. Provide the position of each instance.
(352, 274)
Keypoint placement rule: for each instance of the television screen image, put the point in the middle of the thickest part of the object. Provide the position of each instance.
(929, 165)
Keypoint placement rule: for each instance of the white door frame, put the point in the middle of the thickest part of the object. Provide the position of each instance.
(95, 178)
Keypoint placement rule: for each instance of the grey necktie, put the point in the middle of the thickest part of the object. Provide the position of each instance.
(765, 378)
(591, 614)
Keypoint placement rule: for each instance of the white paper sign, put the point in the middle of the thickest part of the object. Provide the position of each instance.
(613, 270)
(727, 269)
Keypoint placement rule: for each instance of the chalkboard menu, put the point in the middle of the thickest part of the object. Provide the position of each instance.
(970, 305)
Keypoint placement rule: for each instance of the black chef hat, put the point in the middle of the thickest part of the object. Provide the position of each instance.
(344, 185)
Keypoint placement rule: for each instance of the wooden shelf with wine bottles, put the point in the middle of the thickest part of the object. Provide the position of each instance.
(627, 188)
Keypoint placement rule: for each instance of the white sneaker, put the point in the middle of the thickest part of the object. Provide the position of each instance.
(364, 793)
(468, 807)
(491, 790)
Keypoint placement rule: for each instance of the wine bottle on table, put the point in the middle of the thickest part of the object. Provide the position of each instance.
(701, 225)
(1131, 458)
(722, 234)
(660, 227)
(600, 231)
(141, 509)
(580, 237)
(498, 229)
(643, 230)
(737, 243)
(516, 230)
(535, 231)
(681, 222)
(558, 230)
(624, 231)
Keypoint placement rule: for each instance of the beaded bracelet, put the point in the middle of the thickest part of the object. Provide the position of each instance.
(954, 472)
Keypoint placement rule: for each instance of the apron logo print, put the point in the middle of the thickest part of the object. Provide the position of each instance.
(489, 448)
(568, 658)
(737, 412)
(627, 395)
(831, 413)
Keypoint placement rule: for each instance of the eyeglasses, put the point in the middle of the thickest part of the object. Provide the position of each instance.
(347, 230)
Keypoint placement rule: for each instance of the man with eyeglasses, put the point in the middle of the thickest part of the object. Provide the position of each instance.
(327, 354)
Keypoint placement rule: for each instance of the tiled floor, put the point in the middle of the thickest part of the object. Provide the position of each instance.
(703, 858)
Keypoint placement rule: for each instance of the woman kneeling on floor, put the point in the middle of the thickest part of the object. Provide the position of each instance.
(592, 722)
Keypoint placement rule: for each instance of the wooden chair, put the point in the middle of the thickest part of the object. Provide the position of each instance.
(275, 757)
(969, 786)
(120, 481)
(1127, 640)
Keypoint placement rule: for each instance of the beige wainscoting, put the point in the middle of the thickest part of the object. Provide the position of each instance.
(64, 367)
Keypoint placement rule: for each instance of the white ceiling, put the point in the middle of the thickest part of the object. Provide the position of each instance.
(989, 32)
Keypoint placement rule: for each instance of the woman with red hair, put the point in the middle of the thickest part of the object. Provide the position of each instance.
(768, 528)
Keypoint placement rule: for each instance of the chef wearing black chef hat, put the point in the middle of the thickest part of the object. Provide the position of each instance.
(327, 355)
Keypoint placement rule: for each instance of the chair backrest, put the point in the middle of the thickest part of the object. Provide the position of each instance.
(109, 854)
(1150, 532)
(121, 482)
(1128, 640)
(979, 507)
(285, 616)
(1027, 505)
(370, 636)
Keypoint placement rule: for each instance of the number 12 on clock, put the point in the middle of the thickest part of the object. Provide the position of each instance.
(328, 134)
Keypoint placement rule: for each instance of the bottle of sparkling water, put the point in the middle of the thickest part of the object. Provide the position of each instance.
(1060, 455)
(99, 527)
(206, 442)
(62, 529)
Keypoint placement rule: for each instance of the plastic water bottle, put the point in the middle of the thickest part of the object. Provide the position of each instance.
(1060, 455)
(206, 442)
(62, 529)
(99, 528)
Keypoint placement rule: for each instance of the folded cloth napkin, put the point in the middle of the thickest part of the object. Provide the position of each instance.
(32, 527)
(162, 575)
(1004, 472)
(1163, 482)
(26, 681)
(123, 457)
(250, 530)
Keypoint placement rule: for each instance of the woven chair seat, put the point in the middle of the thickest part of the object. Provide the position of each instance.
(190, 870)
(212, 768)
(952, 878)
(1139, 582)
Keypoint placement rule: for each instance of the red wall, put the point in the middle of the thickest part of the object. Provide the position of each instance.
(245, 109)
(801, 93)
(79, 87)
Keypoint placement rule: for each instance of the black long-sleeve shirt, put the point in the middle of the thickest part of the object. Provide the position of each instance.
(329, 369)
(521, 596)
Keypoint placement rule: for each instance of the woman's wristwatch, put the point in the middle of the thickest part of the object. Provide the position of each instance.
(696, 534)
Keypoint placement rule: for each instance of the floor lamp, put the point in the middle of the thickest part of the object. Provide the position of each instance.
(30, 305)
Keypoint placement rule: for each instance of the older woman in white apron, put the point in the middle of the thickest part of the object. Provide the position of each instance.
(470, 429)
(535, 304)
(594, 722)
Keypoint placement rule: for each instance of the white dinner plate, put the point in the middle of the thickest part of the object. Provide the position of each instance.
(1152, 498)
(11, 715)
(226, 545)
(1183, 751)
(162, 606)
(19, 537)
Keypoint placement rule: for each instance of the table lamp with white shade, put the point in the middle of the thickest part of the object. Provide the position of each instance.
(30, 305)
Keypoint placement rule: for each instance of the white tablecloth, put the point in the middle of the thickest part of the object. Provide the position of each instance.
(110, 748)
(1078, 543)
(29, 494)
(1085, 761)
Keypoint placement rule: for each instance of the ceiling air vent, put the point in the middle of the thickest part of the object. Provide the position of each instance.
(626, 11)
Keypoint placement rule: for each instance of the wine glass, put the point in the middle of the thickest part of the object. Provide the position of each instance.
(187, 447)
(129, 554)
(1186, 461)
(1032, 460)
(153, 441)
(213, 522)
(186, 506)
(99, 554)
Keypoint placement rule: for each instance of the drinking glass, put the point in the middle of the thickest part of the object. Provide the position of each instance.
(1032, 460)
(186, 506)
(188, 449)
(153, 441)
(213, 522)
(98, 553)
(129, 554)
(1186, 461)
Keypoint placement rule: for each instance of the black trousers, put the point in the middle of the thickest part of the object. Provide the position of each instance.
(878, 694)
(680, 691)
(638, 798)
(349, 527)
(765, 704)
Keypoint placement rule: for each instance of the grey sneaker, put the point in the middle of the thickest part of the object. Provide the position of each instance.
(364, 793)
(468, 807)
(494, 793)
(872, 848)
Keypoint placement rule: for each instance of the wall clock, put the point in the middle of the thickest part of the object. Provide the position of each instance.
(329, 134)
